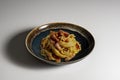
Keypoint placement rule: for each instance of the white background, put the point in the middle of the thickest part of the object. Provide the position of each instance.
(100, 17)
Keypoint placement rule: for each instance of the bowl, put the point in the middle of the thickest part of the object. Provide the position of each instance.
(83, 36)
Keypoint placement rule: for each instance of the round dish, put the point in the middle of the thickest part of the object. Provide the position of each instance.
(83, 36)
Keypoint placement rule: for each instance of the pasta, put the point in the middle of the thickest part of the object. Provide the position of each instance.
(59, 45)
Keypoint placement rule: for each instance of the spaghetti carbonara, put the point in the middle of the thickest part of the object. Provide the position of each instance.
(59, 45)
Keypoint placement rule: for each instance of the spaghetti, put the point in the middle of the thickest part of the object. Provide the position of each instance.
(60, 45)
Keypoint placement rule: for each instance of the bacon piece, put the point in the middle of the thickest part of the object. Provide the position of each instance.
(58, 46)
(66, 40)
(52, 42)
(77, 46)
(57, 59)
(61, 32)
(53, 36)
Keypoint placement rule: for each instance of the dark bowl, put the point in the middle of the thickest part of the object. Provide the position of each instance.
(83, 36)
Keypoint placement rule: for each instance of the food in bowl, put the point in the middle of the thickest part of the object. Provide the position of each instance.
(59, 45)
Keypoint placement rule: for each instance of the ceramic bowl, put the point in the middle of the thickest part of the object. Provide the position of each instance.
(83, 36)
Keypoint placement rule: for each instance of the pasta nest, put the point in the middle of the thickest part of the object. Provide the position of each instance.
(59, 45)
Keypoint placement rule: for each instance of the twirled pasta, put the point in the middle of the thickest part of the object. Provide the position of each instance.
(60, 45)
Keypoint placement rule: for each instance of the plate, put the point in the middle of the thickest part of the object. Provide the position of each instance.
(83, 36)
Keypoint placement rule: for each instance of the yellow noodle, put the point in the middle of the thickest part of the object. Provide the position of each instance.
(68, 50)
